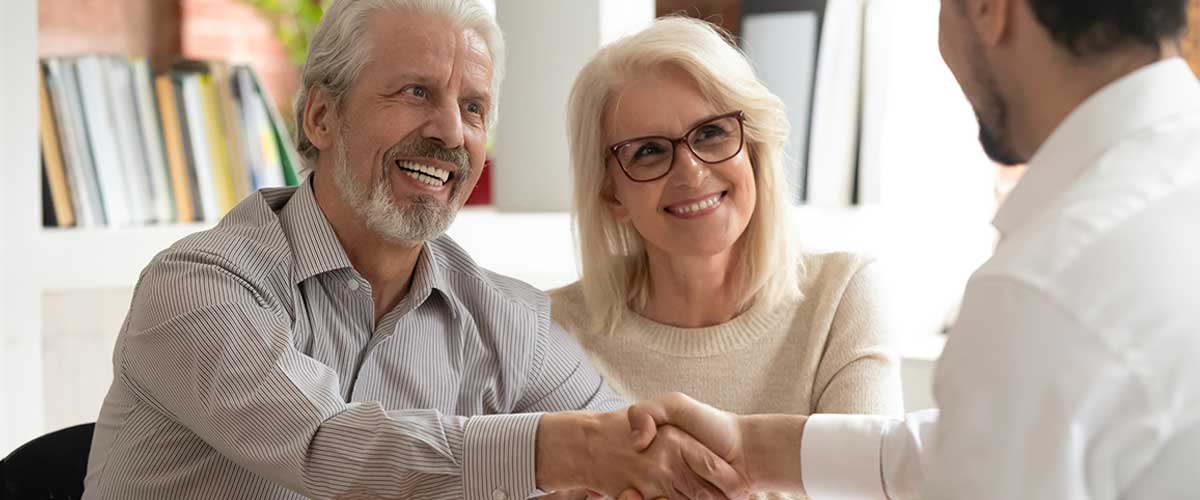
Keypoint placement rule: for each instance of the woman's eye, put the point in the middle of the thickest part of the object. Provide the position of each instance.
(647, 150)
(474, 108)
(709, 132)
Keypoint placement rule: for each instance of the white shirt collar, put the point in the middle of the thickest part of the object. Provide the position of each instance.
(1133, 102)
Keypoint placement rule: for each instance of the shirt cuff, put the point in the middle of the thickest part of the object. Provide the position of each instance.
(500, 457)
(841, 457)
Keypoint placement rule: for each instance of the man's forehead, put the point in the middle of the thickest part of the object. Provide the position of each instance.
(432, 46)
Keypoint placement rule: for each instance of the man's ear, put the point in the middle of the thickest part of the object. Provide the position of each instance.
(319, 118)
(992, 19)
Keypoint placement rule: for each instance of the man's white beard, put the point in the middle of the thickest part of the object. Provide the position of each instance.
(421, 218)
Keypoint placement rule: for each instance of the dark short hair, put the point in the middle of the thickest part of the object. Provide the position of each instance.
(1088, 27)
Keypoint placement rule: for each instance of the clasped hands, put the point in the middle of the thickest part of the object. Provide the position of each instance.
(670, 447)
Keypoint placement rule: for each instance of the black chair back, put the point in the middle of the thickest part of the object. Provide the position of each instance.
(49, 467)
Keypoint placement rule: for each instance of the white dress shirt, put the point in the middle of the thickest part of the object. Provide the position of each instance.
(1074, 369)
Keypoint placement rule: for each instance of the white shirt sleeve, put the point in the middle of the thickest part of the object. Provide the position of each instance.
(866, 457)
(1034, 405)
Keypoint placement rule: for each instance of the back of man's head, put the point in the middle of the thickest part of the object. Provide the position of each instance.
(1094, 27)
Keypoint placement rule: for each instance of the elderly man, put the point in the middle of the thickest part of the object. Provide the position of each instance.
(1072, 371)
(327, 341)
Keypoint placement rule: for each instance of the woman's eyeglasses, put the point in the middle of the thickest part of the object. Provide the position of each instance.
(715, 140)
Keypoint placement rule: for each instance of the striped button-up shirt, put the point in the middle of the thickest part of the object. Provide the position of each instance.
(250, 366)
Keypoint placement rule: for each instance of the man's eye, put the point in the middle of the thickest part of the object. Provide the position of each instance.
(474, 108)
(416, 91)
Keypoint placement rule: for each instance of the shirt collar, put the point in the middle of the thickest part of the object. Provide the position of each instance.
(1141, 99)
(314, 244)
(430, 275)
(317, 249)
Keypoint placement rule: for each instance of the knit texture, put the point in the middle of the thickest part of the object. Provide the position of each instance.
(829, 352)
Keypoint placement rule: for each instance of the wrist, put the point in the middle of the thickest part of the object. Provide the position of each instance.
(561, 449)
(772, 451)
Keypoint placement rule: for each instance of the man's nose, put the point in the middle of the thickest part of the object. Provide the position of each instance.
(445, 125)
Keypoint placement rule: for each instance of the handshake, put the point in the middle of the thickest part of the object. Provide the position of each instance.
(668, 447)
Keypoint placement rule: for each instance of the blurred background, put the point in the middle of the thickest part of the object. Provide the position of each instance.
(883, 158)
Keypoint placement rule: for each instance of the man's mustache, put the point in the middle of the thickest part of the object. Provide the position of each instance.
(428, 148)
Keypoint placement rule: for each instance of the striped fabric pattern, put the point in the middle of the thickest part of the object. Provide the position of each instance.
(249, 366)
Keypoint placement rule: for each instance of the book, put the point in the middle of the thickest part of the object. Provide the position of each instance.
(176, 156)
(123, 147)
(130, 150)
(98, 121)
(222, 168)
(62, 83)
(283, 143)
(782, 45)
(150, 129)
(262, 155)
(833, 143)
(198, 144)
(49, 213)
(61, 201)
(229, 119)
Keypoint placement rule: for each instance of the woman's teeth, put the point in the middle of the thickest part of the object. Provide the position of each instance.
(696, 207)
(432, 176)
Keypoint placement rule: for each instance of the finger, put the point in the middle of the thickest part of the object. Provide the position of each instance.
(630, 495)
(690, 483)
(643, 421)
(716, 473)
(693, 487)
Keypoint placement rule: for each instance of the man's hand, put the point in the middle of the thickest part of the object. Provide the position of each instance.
(764, 449)
(592, 450)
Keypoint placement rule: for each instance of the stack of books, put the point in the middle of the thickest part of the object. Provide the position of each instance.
(122, 147)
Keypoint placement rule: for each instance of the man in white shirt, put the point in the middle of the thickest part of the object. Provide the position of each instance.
(1074, 369)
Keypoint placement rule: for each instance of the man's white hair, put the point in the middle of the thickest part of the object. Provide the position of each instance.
(339, 49)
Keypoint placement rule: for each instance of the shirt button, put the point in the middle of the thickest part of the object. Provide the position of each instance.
(499, 494)
(352, 284)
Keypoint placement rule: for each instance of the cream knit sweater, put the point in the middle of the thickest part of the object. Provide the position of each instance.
(829, 352)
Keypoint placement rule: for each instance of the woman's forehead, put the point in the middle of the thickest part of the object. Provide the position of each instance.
(665, 105)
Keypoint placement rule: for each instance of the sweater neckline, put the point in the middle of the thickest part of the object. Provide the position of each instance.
(738, 332)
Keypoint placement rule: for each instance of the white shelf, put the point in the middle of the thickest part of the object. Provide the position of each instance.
(72, 259)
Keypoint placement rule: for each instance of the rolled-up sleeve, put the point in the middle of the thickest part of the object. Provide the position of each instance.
(212, 351)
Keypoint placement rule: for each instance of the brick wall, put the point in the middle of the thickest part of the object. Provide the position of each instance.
(147, 28)
(233, 31)
(165, 30)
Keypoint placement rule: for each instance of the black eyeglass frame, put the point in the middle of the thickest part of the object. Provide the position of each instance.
(741, 119)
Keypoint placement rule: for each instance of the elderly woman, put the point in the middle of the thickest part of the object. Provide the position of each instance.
(689, 280)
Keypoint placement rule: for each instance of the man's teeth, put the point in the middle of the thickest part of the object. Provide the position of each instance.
(698, 206)
(425, 179)
(432, 176)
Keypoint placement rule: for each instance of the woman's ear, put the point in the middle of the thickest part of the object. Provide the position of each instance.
(608, 196)
(318, 118)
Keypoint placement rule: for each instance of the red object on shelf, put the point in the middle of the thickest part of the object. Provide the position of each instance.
(482, 195)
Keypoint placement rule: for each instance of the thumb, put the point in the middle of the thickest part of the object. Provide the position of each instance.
(643, 422)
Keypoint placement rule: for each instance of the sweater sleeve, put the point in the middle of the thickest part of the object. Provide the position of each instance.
(859, 371)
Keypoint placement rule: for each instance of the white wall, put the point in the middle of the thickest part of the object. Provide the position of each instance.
(21, 407)
(548, 42)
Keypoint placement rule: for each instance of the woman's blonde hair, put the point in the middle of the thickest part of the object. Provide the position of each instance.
(615, 267)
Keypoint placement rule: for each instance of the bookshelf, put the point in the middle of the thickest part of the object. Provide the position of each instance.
(36, 261)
